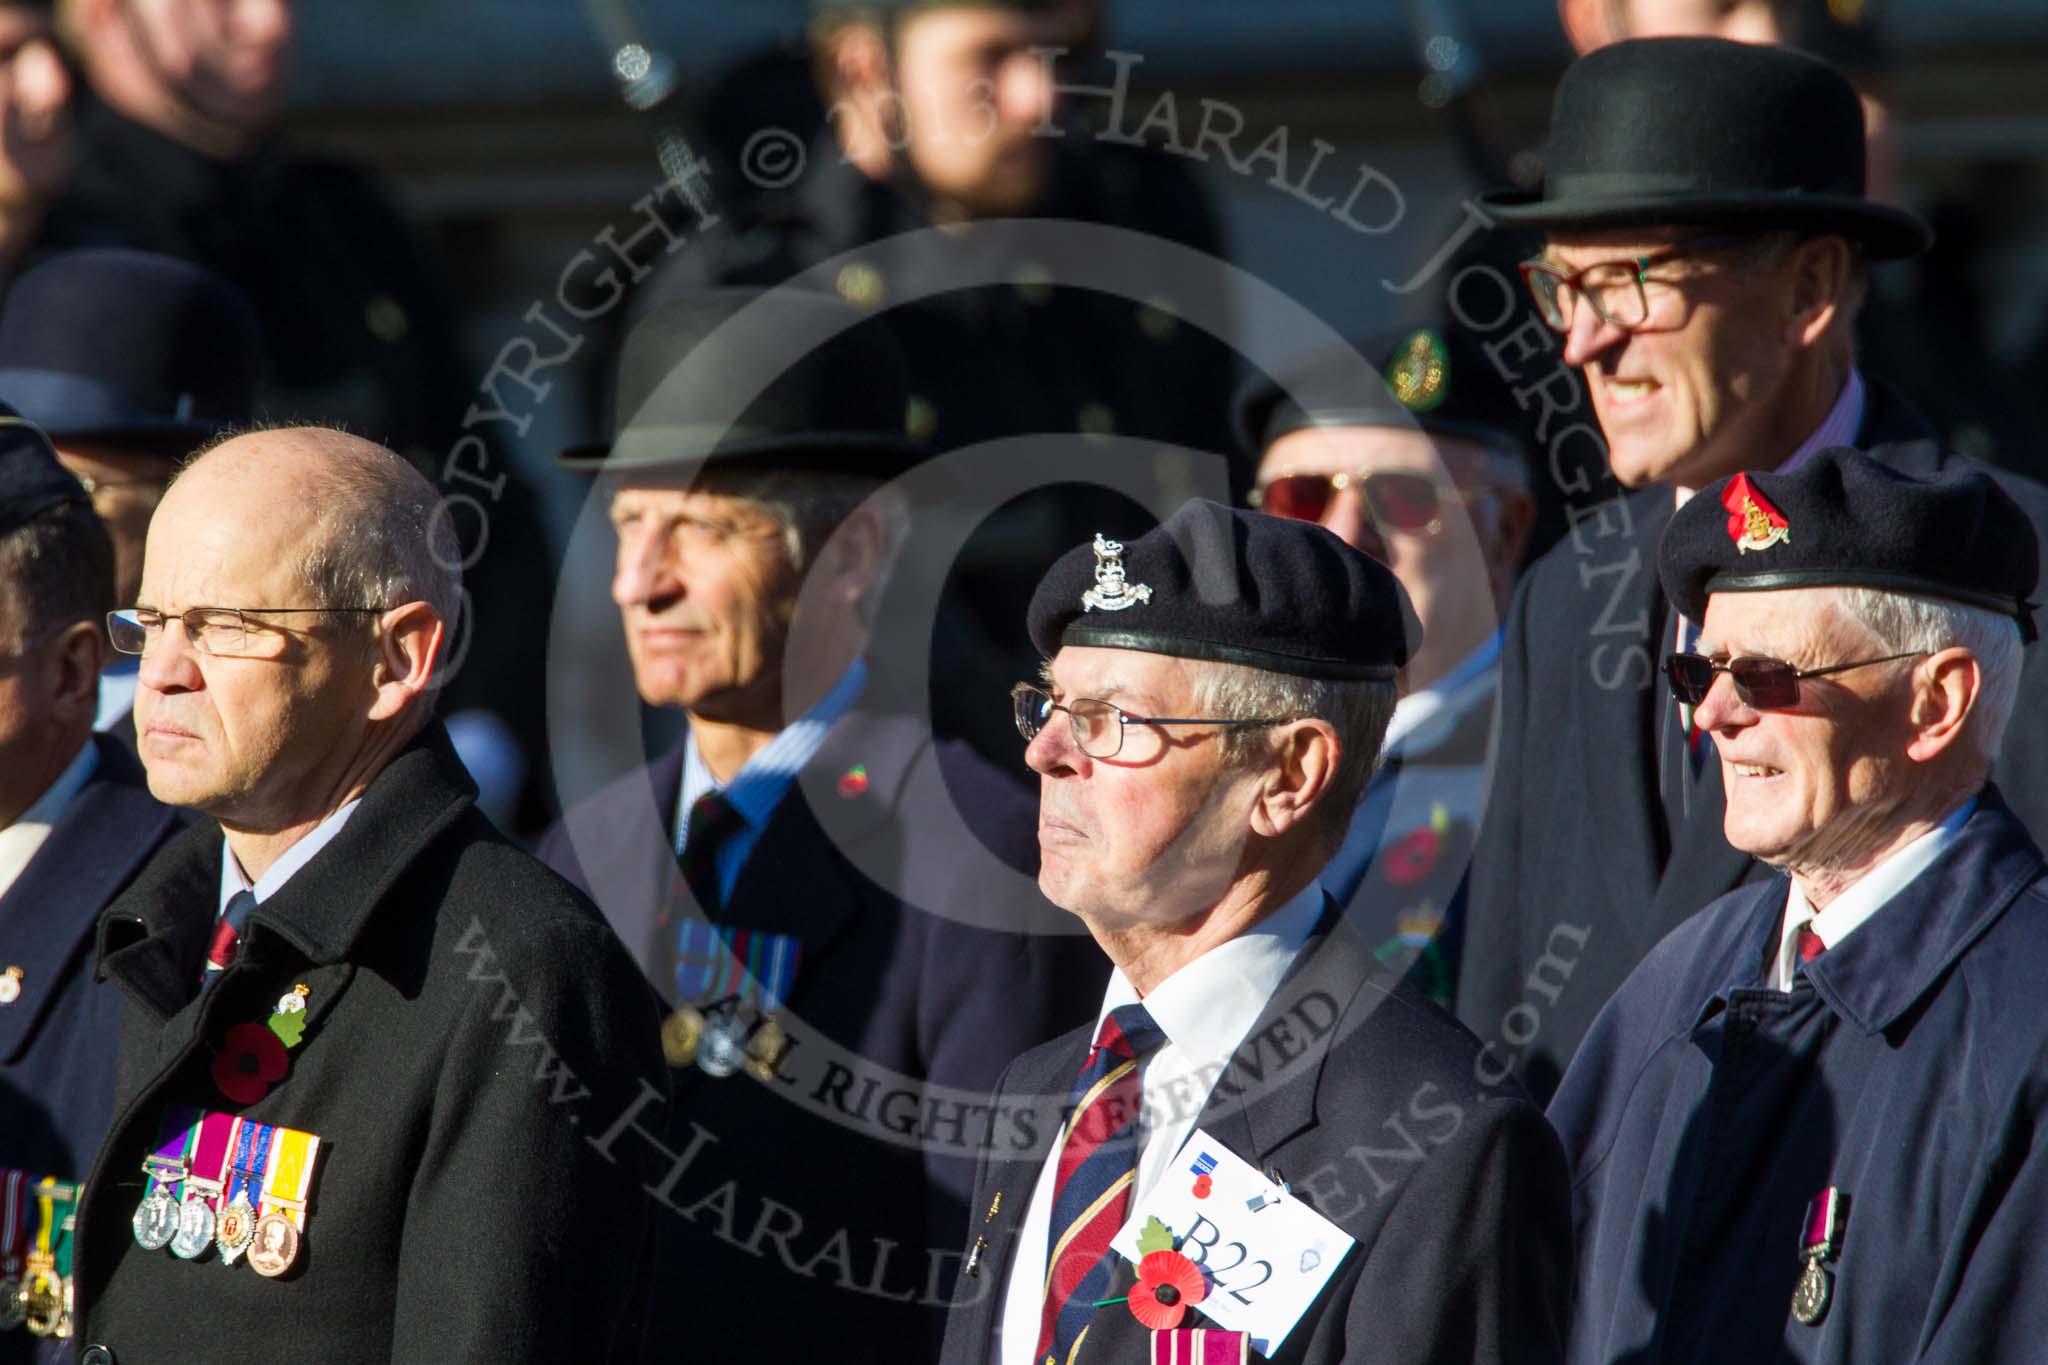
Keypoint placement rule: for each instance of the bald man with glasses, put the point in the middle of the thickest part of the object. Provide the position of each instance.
(1703, 272)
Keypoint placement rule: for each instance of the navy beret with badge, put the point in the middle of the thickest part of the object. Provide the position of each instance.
(1845, 518)
(1437, 379)
(1231, 586)
(31, 480)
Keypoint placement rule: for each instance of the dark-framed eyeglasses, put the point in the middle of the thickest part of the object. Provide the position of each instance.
(1398, 501)
(221, 631)
(1761, 683)
(1097, 726)
(1617, 291)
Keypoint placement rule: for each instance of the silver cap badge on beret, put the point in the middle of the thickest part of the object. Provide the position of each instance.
(1111, 591)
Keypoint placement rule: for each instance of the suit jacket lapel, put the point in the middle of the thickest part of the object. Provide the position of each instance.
(47, 917)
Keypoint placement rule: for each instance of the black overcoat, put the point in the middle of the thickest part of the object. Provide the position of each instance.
(1578, 871)
(473, 1032)
(1455, 1190)
(832, 1204)
(1908, 1068)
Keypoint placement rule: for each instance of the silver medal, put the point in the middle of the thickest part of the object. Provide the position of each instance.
(723, 1048)
(195, 1228)
(156, 1220)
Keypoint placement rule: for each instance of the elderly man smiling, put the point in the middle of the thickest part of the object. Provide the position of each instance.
(1257, 1083)
(1809, 1126)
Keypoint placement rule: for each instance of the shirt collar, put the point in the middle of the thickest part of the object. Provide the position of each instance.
(118, 681)
(1452, 693)
(1838, 428)
(233, 879)
(1848, 911)
(1207, 1007)
(762, 779)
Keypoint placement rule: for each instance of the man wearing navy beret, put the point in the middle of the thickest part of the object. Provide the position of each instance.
(1703, 271)
(1258, 1100)
(1810, 1125)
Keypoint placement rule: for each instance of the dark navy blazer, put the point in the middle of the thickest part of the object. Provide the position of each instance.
(1578, 874)
(1365, 1098)
(824, 1224)
(58, 1041)
(1908, 1068)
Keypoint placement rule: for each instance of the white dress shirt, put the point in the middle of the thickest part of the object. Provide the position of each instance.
(233, 879)
(1205, 1009)
(1848, 911)
(20, 840)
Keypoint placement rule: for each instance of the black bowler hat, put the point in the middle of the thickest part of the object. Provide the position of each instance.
(31, 480)
(1435, 378)
(1664, 132)
(145, 351)
(1231, 586)
(834, 406)
(1848, 519)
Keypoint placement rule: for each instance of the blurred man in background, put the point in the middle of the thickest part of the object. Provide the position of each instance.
(76, 824)
(1427, 472)
(35, 126)
(129, 361)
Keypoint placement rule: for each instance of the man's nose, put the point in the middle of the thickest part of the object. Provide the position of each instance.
(1053, 750)
(1589, 336)
(646, 572)
(1721, 708)
(170, 663)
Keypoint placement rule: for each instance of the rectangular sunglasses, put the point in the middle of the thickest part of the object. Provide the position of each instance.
(1761, 683)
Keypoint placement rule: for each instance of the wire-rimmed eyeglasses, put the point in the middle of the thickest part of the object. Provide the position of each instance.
(1098, 726)
(223, 631)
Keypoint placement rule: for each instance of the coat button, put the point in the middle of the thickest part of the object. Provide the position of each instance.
(96, 1355)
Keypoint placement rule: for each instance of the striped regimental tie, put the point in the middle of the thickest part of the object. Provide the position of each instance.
(713, 820)
(227, 937)
(1092, 1190)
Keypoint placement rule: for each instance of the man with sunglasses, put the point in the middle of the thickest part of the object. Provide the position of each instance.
(1424, 468)
(1212, 703)
(1703, 270)
(1813, 1124)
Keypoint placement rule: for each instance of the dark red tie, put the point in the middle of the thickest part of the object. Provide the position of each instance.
(1810, 946)
(713, 819)
(227, 935)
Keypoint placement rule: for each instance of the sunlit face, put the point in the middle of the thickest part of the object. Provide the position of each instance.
(255, 740)
(1451, 587)
(1742, 21)
(1807, 784)
(227, 59)
(972, 93)
(1698, 393)
(706, 589)
(126, 488)
(35, 98)
(1154, 835)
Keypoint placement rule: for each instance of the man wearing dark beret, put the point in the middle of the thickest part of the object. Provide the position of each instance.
(1428, 473)
(1811, 1124)
(1704, 271)
(76, 825)
(1213, 701)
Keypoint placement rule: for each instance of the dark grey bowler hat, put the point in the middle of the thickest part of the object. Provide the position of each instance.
(1662, 132)
(128, 347)
(835, 406)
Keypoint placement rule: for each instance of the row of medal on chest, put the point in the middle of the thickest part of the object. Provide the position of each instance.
(35, 1253)
(230, 1183)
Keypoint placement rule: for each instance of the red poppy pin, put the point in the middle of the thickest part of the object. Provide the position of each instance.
(251, 1060)
(1753, 524)
(853, 781)
(1168, 1285)
(1414, 855)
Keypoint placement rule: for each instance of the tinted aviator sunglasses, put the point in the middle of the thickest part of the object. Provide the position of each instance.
(1398, 501)
(1761, 683)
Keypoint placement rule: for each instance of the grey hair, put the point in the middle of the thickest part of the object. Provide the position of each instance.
(809, 507)
(1904, 623)
(1359, 711)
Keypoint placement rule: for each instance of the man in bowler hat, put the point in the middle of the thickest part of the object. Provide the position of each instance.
(1425, 468)
(77, 823)
(1813, 1124)
(1703, 267)
(845, 966)
(129, 361)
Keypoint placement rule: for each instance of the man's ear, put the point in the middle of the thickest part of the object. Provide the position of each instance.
(1946, 686)
(860, 61)
(75, 652)
(1304, 764)
(409, 640)
(1819, 287)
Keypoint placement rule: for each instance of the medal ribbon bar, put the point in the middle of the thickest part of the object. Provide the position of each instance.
(209, 1171)
(252, 1155)
(167, 1165)
(291, 1175)
(715, 960)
